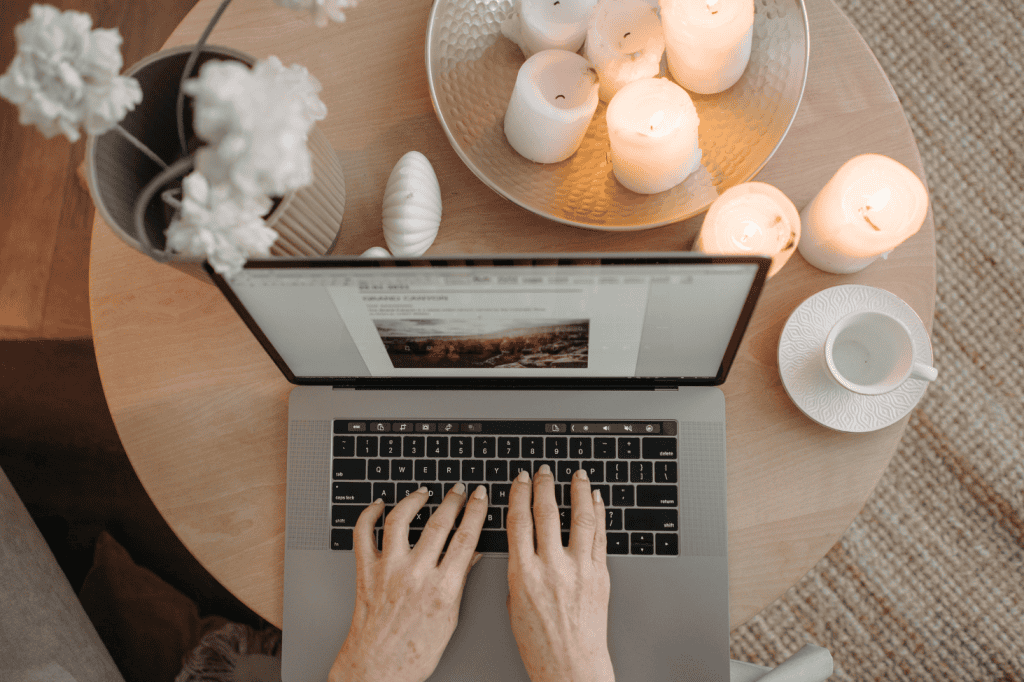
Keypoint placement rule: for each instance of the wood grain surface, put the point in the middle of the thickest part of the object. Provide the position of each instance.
(201, 410)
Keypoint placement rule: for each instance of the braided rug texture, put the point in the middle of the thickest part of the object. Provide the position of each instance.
(928, 582)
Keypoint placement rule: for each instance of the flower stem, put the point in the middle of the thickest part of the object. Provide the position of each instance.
(187, 73)
(178, 169)
(140, 145)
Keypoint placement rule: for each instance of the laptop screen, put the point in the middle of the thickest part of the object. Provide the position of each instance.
(578, 318)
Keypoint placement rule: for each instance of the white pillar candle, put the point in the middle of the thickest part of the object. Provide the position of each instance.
(624, 43)
(752, 218)
(652, 128)
(536, 25)
(708, 42)
(554, 99)
(869, 207)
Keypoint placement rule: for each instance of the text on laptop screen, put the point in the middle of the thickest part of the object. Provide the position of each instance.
(665, 320)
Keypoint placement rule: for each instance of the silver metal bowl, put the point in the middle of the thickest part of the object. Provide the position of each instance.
(472, 68)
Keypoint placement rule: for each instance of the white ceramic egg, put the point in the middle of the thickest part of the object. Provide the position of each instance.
(375, 252)
(412, 206)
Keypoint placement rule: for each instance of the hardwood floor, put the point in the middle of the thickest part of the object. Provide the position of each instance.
(45, 212)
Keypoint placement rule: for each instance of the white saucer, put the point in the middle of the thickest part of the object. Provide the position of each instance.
(808, 383)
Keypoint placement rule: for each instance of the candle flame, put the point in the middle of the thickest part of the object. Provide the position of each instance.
(712, 6)
(657, 118)
(876, 201)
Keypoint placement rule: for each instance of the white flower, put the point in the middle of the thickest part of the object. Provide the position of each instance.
(65, 75)
(256, 123)
(218, 223)
(322, 10)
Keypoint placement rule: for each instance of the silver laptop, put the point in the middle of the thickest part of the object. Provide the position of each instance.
(434, 371)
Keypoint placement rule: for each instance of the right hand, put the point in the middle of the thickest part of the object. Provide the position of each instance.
(558, 596)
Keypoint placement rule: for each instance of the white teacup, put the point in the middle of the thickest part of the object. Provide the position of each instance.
(873, 353)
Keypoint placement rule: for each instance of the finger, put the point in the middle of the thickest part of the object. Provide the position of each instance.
(364, 542)
(520, 520)
(581, 530)
(440, 524)
(600, 551)
(463, 545)
(396, 525)
(545, 513)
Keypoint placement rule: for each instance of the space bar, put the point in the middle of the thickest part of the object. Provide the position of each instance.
(492, 541)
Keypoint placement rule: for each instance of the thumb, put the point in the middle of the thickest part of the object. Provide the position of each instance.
(477, 556)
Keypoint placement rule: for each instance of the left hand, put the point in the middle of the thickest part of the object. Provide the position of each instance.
(407, 602)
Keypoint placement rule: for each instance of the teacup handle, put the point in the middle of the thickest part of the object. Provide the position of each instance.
(923, 372)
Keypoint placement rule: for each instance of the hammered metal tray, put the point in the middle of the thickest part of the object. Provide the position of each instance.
(472, 68)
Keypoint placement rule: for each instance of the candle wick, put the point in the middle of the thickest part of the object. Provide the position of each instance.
(560, 97)
(627, 34)
(864, 214)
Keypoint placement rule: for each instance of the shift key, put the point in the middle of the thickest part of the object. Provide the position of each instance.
(651, 519)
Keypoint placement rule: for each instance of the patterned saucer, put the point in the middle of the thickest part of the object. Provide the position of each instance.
(804, 375)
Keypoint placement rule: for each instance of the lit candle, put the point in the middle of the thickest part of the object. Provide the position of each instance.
(869, 207)
(708, 42)
(624, 43)
(752, 218)
(652, 128)
(553, 101)
(536, 25)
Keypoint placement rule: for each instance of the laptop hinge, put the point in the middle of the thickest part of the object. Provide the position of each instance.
(508, 384)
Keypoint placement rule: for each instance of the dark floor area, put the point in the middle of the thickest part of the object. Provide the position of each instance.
(61, 452)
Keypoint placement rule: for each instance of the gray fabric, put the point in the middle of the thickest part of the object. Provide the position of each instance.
(45, 635)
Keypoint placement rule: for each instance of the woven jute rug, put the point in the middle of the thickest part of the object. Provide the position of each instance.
(928, 582)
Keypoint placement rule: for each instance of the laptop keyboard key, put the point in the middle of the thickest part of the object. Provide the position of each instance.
(665, 472)
(472, 470)
(618, 543)
(533, 447)
(366, 446)
(614, 519)
(622, 496)
(556, 448)
(401, 470)
(629, 448)
(413, 446)
(483, 446)
(496, 471)
(566, 470)
(419, 520)
(617, 472)
(508, 447)
(500, 493)
(462, 446)
(346, 514)
(437, 446)
(426, 470)
(579, 448)
(657, 496)
(350, 469)
(353, 492)
(493, 518)
(386, 492)
(391, 446)
(651, 519)
(344, 446)
(515, 467)
(341, 538)
(641, 472)
(641, 543)
(492, 541)
(448, 471)
(595, 471)
(604, 448)
(659, 448)
(379, 470)
(666, 544)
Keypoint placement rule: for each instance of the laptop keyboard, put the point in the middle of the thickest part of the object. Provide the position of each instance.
(633, 464)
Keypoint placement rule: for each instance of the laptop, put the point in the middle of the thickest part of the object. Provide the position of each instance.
(439, 370)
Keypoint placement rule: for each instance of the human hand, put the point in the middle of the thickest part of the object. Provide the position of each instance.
(558, 597)
(407, 604)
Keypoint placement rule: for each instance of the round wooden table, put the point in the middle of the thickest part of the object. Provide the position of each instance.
(202, 411)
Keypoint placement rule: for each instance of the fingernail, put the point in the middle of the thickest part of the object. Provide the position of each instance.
(459, 489)
(581, 474)
(597, 497)
(480, 492)
(379, 500)
(423, 489)
(476, 558)
(544, 469)
(523, 476)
